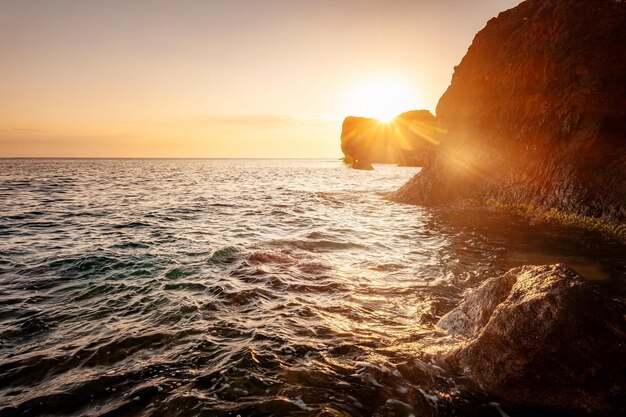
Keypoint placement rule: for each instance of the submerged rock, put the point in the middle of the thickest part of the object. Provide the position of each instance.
(543, 336)
(535, 115)
(363, 165)
(404, 141)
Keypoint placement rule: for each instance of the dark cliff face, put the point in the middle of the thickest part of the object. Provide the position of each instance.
(536, 114)
(404, 141)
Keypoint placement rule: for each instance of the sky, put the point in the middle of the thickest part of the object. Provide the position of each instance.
(219, 79)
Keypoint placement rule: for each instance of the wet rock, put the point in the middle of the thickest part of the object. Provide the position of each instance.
(543, 336)
(535, 115)
(404, 141)
(363, 165)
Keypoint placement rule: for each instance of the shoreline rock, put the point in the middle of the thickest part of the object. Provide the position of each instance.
(542, 336)
(362, 165)
(535, 116)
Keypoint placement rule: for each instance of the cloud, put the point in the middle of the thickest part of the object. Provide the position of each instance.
(268, 121)
(41, 137)
(22, 131)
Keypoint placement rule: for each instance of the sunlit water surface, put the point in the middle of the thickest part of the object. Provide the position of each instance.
(243, 287)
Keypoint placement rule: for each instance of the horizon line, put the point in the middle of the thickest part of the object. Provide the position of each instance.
(156, 158)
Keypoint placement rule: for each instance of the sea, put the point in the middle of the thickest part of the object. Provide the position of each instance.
(246, 287)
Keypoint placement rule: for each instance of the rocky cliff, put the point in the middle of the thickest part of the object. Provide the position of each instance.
(403, 141)
(535, 115)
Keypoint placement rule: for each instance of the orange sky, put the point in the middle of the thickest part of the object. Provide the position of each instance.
(233, 78)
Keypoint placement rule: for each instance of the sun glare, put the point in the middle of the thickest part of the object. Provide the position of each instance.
(382, 97)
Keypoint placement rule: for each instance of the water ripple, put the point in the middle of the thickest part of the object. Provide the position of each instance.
(225, 287)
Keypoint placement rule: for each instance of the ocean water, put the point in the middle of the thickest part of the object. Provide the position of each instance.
(244, 287)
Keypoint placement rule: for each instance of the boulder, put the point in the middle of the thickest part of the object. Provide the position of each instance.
(534, 116)
(362, 165)
(404, 141)
(542, 336)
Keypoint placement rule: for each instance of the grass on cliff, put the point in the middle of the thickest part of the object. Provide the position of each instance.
(553, 215)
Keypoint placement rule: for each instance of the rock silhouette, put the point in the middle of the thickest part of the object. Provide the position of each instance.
(542, 335)
(404, 141)
(535, 115)
(362, 165)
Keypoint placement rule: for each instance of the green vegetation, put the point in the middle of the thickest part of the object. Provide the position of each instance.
(553, 215)
(348, 159)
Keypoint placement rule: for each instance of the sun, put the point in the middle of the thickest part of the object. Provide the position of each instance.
(382, 97)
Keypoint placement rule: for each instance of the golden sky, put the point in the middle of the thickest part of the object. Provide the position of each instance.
(232, 78)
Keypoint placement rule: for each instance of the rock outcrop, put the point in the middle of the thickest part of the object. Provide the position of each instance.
(535, 115)
(404, 141)
(542, 335)
(362, 165)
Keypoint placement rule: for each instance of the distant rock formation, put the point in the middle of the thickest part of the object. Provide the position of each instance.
(535, 115)
(404, 141)
(542, 335)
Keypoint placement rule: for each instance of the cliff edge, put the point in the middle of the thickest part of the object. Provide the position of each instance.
(535, 115)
